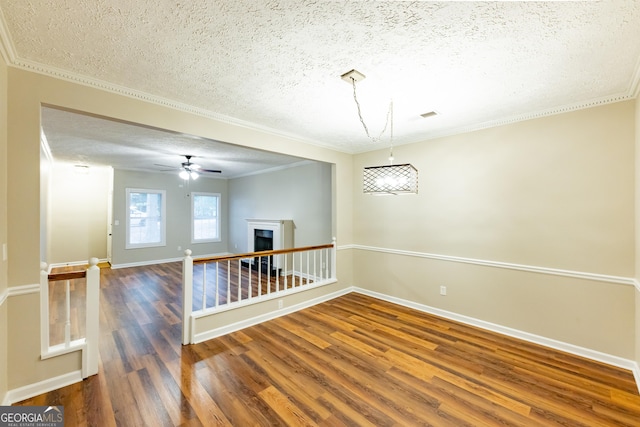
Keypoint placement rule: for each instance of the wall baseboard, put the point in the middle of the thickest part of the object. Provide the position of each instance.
(525, 336)
(214, 333)
(164, 261)
(31, 390)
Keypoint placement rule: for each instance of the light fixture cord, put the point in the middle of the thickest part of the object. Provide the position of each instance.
(390, 119)
(366, 129)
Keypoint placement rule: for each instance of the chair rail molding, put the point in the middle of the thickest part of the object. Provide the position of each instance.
(510, 266)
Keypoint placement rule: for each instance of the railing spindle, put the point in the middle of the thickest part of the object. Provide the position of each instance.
(239, 281)
(277, 258)
(228, 282)
(217, 301)
(67, 323)
(269, 272)
(204, 285)
(285, 272)
(250, 283)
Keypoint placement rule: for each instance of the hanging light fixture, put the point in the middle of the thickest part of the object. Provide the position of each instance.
(386, 179)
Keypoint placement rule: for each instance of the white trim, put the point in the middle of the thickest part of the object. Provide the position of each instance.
(163, 261)
(636, 283)
(274, 169)
(60, 349)
(143, 263)
(162, 242)
(526, 336)
(45, 386)
(3, 296)
(214, 333)
(14, 291)
(521, 267)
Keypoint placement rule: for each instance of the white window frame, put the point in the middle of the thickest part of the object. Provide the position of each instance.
(163, 218)
(218, 217)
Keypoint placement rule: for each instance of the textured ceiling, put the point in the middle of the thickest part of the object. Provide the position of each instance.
(276, 65)
(90, 141)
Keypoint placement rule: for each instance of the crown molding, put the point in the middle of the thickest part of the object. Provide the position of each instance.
(633, 92)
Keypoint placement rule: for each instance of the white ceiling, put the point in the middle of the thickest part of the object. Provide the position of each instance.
(276, 65)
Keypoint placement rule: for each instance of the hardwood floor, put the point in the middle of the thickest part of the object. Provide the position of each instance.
(351, 361)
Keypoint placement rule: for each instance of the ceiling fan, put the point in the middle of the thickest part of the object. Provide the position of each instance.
(190, 170)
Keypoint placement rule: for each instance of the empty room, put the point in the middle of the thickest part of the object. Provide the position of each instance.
(320, 212)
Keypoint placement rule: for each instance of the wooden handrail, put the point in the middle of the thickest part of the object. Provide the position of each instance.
(260, 254)
(54, 277)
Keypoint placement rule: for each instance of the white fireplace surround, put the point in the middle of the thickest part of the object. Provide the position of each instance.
(282, 235)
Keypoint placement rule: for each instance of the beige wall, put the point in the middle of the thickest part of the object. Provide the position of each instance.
(3, 227)
(27, 91)
(637, 230)
(78, 214)
(555, 192)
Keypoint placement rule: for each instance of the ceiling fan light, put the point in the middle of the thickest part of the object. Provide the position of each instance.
(184, 174)
(194, 175)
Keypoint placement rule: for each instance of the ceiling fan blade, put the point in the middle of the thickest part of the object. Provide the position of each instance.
(209, 170)
(166, 166)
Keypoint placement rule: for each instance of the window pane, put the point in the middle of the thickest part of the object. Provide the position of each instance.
(205, 217)
(145, 218)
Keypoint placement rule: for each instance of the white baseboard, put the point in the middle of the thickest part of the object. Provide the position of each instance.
(525, 336)
(163, 261)
(31, 390)
(143, 263)
(5, 400)
(218, 332)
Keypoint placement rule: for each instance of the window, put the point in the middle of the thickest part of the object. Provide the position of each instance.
(205, 217)
(146, 221)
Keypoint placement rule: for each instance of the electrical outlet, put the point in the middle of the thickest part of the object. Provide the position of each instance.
(443, 290)
(280, 303)
(179, 248)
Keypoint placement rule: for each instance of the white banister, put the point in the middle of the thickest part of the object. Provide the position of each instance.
(187, 296)
(92, 318)
(257, 271)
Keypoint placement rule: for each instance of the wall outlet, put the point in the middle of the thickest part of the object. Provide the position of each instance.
(280, 303)
(443, 290)
(179, 248)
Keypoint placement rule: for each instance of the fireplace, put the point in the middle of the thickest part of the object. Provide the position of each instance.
(265, 235)
(263, 241)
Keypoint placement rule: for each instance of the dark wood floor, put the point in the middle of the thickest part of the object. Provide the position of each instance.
(351, 361)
